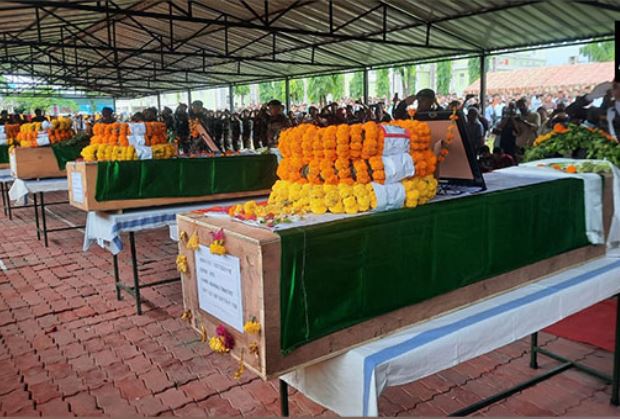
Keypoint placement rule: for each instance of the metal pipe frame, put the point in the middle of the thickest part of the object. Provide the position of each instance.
(483, 81)
(161, 55)
(566, 364)
(40, 204)
(134, 290)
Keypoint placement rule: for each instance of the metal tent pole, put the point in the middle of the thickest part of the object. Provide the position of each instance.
(483, 80)
(287, 94)
(365, 87)
(158, 102)
(189, 97)
(231, 98)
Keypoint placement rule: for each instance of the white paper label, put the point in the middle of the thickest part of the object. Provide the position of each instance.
(77, 192)
(43, 139)
(219, 286)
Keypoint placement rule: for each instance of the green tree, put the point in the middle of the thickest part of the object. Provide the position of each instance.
(320, 87)
(599, 51)
(407, 77)
(296, 90)
(271, 90)
(383, 83)
(241, 90)
(444, 74)
(356, 85)
(473, 68)
(46, 103)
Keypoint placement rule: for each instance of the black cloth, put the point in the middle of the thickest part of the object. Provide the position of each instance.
(246, 124)
(235, 133)
(400, 112)
(169, 121)
(508, 139)
(181, 129)
(386, 118)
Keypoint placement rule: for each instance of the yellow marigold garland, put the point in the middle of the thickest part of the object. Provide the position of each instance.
(216, 343)
(252, 327)
(331, 169)
(182, 263)
(193, 243)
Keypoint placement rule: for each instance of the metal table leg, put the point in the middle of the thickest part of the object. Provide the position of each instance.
(36, 216)
(283, 398)
(134, 290)
(534, 351)
(3, 192)
(43, 218)
(615, 383)
(136, 278)
(8, 203)
(117, 279)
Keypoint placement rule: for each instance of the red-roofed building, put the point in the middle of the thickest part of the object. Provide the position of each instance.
(570, 78)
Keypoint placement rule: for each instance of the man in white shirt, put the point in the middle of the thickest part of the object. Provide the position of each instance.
(535, 103)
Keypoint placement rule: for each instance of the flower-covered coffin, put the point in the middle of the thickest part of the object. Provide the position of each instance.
(342, 251)
(129, 141)
(349, 169)
(34, 163)
(121, 184)
(41, 149)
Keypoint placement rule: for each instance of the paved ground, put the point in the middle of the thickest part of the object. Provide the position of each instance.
(67, 347)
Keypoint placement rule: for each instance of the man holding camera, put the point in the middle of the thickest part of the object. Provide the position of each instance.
(526, 125)
(518, 128)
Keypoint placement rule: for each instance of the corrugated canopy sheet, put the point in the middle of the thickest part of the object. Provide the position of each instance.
(135, 48)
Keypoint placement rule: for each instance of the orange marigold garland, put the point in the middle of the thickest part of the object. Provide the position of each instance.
(337, 169)
(356, 140)
(449, 137)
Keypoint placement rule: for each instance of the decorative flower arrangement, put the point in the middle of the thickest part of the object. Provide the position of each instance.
(183, 236)
(333, 169)
(579, 167)
(223, 341)
(217, 245)
(424, 159)
(111, 141)
(11, 131)
(449, 137)
(182, 263)
(117, 133)
(193, 243)
(574, 141)
(241, 369)
(252, 327)
(203, 333)
(58, 130)
(107, 152)
(187, 315)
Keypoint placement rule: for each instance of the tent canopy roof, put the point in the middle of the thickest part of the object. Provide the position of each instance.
(139, 47)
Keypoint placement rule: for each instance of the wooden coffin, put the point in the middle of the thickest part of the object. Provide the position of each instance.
(82, 177)
(34, 163)
(258, 252)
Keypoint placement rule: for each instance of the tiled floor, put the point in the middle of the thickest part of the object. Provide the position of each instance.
(67, 347)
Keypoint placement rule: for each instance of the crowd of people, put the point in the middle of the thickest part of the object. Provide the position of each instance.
(505, 124)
